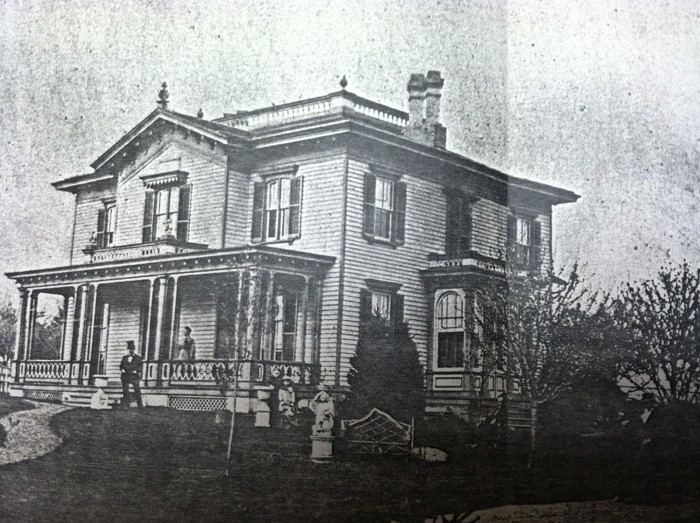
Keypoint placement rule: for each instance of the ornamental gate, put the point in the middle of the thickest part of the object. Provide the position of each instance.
(378, 433)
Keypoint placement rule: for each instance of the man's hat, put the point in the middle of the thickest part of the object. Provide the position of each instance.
(130, 345)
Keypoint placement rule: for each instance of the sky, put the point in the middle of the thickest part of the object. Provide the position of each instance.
(599, 97)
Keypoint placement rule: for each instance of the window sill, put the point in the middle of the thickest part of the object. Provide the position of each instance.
(382, 241)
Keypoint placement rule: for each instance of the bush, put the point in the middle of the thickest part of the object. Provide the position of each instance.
(386, 373)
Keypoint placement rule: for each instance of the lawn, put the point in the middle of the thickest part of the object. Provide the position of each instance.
(166, 465)
(8, 406)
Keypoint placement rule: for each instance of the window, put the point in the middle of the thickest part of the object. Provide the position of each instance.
(524, 237)
(449, 329)
(385, 209)
(277, 209)
(167, 214)
(459, 225)
(285, 326)
(106, 226)
(381, 299)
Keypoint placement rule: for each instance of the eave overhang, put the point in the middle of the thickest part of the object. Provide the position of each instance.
(190, 264)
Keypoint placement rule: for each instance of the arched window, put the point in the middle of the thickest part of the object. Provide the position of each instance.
(449, 328)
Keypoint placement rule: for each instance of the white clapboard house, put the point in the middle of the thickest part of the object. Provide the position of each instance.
(287, 225)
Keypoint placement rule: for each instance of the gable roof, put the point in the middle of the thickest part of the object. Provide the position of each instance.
(212, 130)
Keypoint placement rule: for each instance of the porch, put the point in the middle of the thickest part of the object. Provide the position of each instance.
(250, 312)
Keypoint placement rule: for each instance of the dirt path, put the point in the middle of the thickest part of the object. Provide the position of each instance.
(29, 434)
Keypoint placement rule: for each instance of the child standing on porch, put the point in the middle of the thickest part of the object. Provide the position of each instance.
(187, 348)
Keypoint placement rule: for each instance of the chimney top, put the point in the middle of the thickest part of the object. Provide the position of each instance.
(417, 82)
(433, 79)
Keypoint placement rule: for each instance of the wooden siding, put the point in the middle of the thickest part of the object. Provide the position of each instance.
(87, 203)
(206, 170)
(321, 226)
(125, 301)
(198, 311)
(425, 226)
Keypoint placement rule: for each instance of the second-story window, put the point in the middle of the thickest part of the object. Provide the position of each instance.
(277, 209)
(381, 300)
(167, 214)
(458, 240)
(385, 209)
(106, 226)
(524, 237)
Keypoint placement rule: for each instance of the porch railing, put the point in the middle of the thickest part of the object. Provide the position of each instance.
(45, 370)
(212, 371)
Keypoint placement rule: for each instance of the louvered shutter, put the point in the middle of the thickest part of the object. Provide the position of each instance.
(370, 188)
(452, 224)
(536, 256)
(465, 227)
(399, 232)
(295, 206)
(512, 228)
(397, 310)
(183, 213)
(258, 211)
(147, 235)
(100, 233)
(365, 305)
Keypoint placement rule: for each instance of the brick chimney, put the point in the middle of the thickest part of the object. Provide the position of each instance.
(424, 94)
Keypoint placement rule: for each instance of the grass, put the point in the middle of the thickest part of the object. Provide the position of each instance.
(9, 405)
(166, 465)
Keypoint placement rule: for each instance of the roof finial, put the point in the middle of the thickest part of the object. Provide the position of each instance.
(343, 82)
(163, 96)
(200, 113)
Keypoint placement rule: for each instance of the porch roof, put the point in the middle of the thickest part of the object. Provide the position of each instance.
(186, 264)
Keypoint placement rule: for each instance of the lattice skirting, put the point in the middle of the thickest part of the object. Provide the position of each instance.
(197, 403)
(44, 395)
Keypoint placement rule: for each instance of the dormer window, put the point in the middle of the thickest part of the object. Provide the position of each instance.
(277, 209)
(166, 212)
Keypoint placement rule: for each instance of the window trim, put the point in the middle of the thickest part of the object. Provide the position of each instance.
(396, 301)
(397, 212)
(262, 211)
(442, 293)
(150, 219)
(534, 249)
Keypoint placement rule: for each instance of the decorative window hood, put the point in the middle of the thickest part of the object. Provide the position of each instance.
(166, 179)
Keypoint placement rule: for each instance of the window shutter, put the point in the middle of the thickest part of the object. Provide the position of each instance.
(100, 233)
(258, 211)
(295, 206)
(400, 213)
(397, 310)
(465, 228)
(452, 223)
(147, 235)
(183, 213)
(512, 228)
(365, 305)
(536, 243)
(370, 188)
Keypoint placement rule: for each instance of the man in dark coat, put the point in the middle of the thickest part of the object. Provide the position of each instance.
(131, 366)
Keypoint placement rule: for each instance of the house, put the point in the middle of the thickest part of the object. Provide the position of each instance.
(284, 227)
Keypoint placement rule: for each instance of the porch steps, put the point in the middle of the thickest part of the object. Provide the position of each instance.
(83, 399)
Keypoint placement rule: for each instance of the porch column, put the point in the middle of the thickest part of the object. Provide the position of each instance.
(91, 331)
(300, 346)
(238, 322)
(267, 318)
(149, 313)
(173, 321)
(81, 322)
(251, 344)
(68, 330)
(20, 343)
(162, 290)
(31, 319)
(318, 309)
